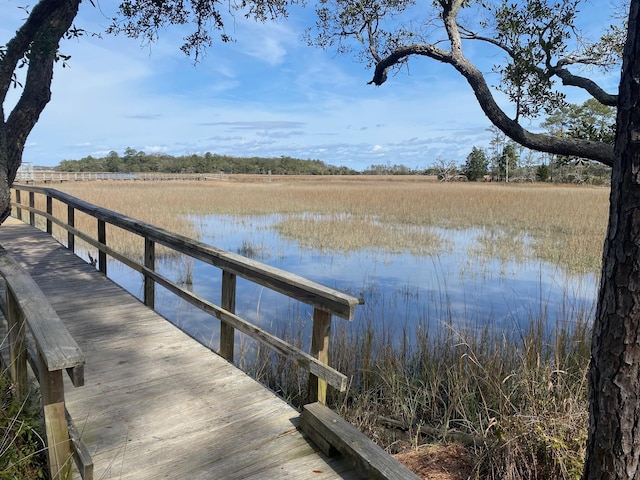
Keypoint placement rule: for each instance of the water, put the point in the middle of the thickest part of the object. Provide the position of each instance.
(456, 286)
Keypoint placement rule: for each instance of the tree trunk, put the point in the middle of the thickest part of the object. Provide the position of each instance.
(5, 188)
(37, 40)
(613, 449)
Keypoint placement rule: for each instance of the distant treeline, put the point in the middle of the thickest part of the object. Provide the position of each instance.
(138, 161)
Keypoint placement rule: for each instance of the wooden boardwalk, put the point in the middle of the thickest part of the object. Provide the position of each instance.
(157, 404)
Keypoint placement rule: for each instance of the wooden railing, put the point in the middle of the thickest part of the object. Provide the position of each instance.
(325, 301)
(50, 350)
(53, 176)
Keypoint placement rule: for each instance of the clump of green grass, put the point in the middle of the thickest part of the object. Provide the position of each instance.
(22, 448)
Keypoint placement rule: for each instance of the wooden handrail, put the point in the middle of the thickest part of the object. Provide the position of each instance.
(54, 351)
(326, 301)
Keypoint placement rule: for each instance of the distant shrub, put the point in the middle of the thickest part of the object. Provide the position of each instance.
(542, 173)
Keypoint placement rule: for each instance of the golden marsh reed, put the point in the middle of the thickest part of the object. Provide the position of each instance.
(564, 224)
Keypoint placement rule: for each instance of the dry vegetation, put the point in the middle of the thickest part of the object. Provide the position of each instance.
(565, 224)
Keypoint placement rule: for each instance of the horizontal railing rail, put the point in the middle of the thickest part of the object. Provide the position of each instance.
(54, 176)
(50, 350)
(325, 301)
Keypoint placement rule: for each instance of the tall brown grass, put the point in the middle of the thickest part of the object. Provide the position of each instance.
(565, 224)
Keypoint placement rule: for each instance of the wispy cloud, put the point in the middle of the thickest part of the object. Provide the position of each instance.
(258, 125)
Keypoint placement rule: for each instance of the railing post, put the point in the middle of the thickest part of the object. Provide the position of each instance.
(102, 238)
(58, 444)
(18, 209)
(319, 350)
(32, 204)
(71, 221)
(50, 212)
(227, 332)
(150, 263)
(17, 347)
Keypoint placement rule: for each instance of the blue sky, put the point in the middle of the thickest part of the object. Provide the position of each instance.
(266, 94)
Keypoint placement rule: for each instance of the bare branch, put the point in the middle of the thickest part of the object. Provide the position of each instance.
(587, 84)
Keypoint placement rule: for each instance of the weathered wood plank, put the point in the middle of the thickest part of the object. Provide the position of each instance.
(57, 347)
(228, 302)
(352, 443)
(16, 325)
(320, 351)
(58, 443)
(81, 454)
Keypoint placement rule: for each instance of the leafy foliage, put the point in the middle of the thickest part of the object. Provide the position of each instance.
(145, 18)
(542, 173)
(538, 44)
(139, 161)
(508, 161)
(533, 33)
(589, 121)
(477, 165)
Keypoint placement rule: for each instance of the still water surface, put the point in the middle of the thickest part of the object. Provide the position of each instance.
(401, 291)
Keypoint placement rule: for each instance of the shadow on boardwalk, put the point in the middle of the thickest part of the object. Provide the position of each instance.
(157, 404)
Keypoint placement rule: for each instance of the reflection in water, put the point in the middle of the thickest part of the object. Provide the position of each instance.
(459, 286)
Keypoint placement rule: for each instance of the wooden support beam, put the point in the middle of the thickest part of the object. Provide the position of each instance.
(227, 332)
(102, 238)
(71, 221)
(81, 454)
(32, 204)
(150, 263)
(18, 209)
(319, 422)
(55, 419)
(320, 350)
(50, 212)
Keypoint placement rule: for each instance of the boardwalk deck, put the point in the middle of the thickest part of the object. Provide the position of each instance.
(157, 404)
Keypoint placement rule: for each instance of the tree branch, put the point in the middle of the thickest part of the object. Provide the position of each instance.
(542, 142)
(19, 45)
(400, 53)
(589, 85)
(598, 151)
(568, 78)
(37, 90)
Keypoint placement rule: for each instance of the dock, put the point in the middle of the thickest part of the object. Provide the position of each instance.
(155, 403)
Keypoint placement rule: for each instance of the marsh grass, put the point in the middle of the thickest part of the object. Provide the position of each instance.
(565, 224)
(256, 251)
(22, 447)
(337, 233)
(517, 400)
